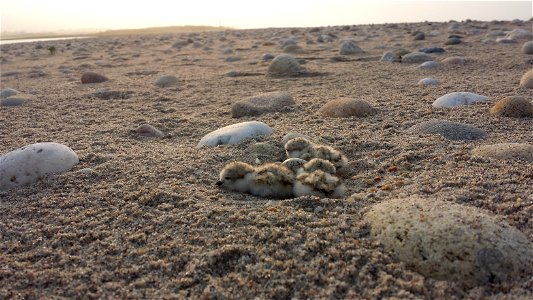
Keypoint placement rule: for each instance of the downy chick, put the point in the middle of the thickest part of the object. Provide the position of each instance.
(236, 176)
(272, 180)
(331, 154)
(318, 183)
(295, 164)
(319, 164)
(299, 148)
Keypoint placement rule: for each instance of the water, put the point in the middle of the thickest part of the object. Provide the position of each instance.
(5, 42)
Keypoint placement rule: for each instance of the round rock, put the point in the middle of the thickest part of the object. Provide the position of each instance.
(148, 130)
(260, 104)
(166, 81)
(506, 151)
(284, 65)
(458, 99)
(429, 65)
(527, 80)
(519, 34)
(453, 41)
(389, 56)
(28, 164)
(345, 108)
(449, 130)
(453, 242)
(415, 58)
(7, 92)
(454, 60)
(514, 106)
(92, 77)
(527, 48)
(16, 100)
(350, 48)
(234, 134)
(428, 82)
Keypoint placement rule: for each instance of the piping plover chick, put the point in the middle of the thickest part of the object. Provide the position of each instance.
(236, 176)
(295, 164)
(319, 164)
(318, 183)
(299, 148)
(336, 157)
(272, 180)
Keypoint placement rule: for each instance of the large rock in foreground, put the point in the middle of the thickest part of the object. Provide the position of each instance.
(28, 164)
(447, 241)
(234, 134)
(260, 104)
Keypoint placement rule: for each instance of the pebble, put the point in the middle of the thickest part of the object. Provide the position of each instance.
(166, 81)
(13, 100)
(267, 57)
(92, 77)
(420, 36)
(232, 59)
(148, 130)
(429, 65)
(450, 130)
(284, 65)
(28, 164)
(453, 41)
(428, 82)
(416, 57)
(350, 48)
(260, 104)
(527, 80)
(227, 51)
(514, 106)
(7, 92)
(506, 151)
(527, 48)
(454, 60)
(344, 108)
(448, 241)
(432, 50)
(458, 99)
(293, 48)
(234, 134)
(389, 56)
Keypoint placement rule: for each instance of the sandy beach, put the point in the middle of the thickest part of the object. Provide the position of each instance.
(147, 221)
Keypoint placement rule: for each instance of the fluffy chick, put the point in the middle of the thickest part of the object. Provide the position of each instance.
(336, 157)
(236, 176)
(319, 164)
(318, 183)
(294, 164)
(273, 181)
(299, 148)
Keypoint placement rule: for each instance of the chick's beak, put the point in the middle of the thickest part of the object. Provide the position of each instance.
(218, 183)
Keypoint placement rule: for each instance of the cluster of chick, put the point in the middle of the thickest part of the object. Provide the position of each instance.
(309, 170)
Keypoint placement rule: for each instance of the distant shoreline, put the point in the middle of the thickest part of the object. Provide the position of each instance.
(114, 32)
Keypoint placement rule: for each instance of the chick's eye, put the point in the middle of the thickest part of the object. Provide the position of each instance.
(227, 178)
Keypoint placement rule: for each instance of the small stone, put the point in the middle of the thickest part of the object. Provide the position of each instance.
(449, 130)
(428, 82)
(92, 77)
(505, 41)
(420, 36)
(284, 65)
(527, 48)
(260, 104)
(292, 48)
(13, 101)
(344, 108)
(416, 57)
(514, 106)
(232, 59)
(432, 50)
(429, 65)
(166, 81)
(227, 51)
(506, 151)
(519, 34)
(349, 48)
(458, 99)
(400, 52)
(454, 60)
(448, 241)
(7, 92)
(234, 134)
(453, 41)
(292, 135)
(267, 57)
(389, 56)
(148, 130)
(527, 80)
(28, 164)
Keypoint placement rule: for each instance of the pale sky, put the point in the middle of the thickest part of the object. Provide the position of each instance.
(55, 15)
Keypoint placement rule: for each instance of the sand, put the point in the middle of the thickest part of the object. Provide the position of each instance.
(149, 222)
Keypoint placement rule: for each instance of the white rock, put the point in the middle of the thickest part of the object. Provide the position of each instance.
(234, 134)
(458, 99)
(428, 82)
(27, 164)
(519, 34)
